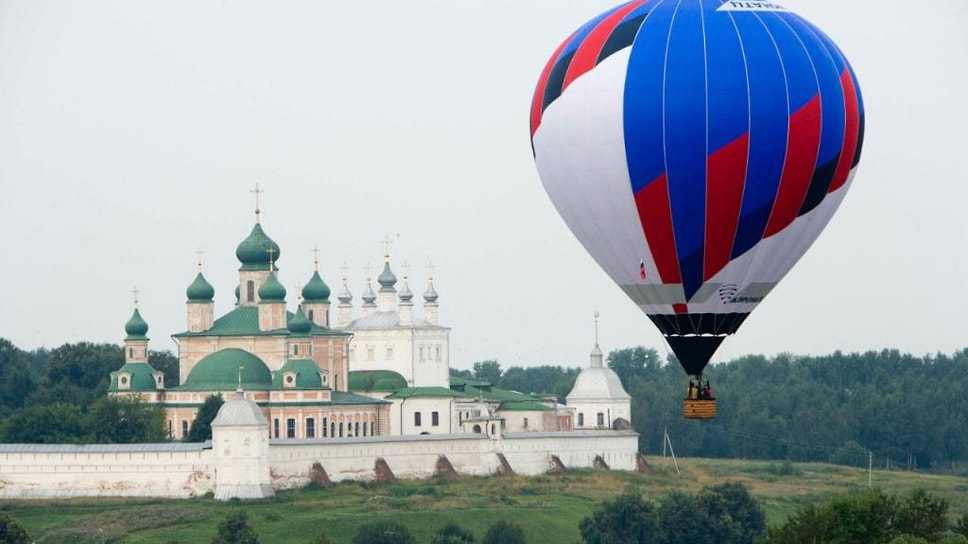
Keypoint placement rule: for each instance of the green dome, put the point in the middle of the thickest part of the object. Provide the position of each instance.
(219, 371)
(142, 378)
(376, 380)
(136, 327)
(316, 289)
(298, 324)
(307, 375)
(200, 290)
(253, 252)
(272, 290)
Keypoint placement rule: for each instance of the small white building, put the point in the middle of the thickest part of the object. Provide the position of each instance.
(598, 397)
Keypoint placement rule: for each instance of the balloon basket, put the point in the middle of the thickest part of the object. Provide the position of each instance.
(699, 408)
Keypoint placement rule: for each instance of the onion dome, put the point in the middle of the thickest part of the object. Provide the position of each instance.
(253, 252)
(272, 290)
(430, 295)
(298, 324)
(136, 327)
(345, 297)
(316, 289)
(369, 297)
(405, 294)
(387, 278)
(200, 290)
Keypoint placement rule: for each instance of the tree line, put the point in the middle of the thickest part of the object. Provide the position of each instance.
(909, 412)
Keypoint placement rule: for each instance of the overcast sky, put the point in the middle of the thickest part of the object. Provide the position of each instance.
(132, 131)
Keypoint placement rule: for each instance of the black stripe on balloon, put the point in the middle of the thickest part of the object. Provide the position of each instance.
(694, 352)
(819, 184)
(555, 80)
(621, 37)
(860, 142)
(690, 324)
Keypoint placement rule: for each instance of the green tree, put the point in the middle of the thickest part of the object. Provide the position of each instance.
(202, 426)
(733, 515)
(12, 532)
(124, 420)
(452, 533)
(908, 539)
(488, 371)
(53, 424)
(165, 361)
(503, 532)
(923, 515)
(680, 520)
(627, 519)
(320, 539)
(383, 532)
(630, 363)
(16, 380)
(235, 529)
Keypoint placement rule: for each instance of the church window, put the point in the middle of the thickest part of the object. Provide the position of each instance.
(310, 315)
(276, 427)
(525, 423)
(291, 428)
(601, 419)
(124, 380)
(477, 429)
(325, 427)
(310, 349)
(184, 428)
(295, 349)
(438, 353)
(289, 381)
(434, 418)
(492, 428)
(169, 429)
(310, 428)
(372, 427)
(364, 428)
(130, 353)
(356, 429)
(581, 420)
(416, 419)
(250, 291)
(460, 418)
(341, 429)
(369, 353)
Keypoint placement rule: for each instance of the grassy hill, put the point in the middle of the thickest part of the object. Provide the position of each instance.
(548, 507)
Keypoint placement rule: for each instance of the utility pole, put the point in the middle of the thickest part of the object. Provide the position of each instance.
(672, 451)
(870, 468)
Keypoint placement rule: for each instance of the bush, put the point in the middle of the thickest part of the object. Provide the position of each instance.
(625, 520)
(235, 529)
(383, 532)
(453, 533)
(12, 532)
(503, 532)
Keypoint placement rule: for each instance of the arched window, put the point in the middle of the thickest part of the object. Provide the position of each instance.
(356, 429)
(250, 291)
(477, 429)
(581, 420)
(601, 419)
(341, 429)
(372, 429)
(310, 316)
(295, 349)
(332, 429)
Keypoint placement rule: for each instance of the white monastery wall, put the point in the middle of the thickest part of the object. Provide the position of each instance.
(586, 412)
(102, 470)
(179, 470)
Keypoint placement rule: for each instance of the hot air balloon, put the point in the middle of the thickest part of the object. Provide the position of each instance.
(697, 148)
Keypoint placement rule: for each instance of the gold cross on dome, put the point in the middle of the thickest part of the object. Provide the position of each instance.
(199, 253)
(597, 316)
(135, 292)
(345, 269)
(272, 261)
(430, 271)
(369, 272)
(299, 292)
(257, 191)
(406, 270)
(315, 251)
(387, 244)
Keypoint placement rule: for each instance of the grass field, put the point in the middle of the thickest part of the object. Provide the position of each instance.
(548, 507)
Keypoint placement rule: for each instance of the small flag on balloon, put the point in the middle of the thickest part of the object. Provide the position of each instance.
(641, 270)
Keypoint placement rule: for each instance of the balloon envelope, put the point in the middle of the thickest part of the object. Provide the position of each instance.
(697, 148)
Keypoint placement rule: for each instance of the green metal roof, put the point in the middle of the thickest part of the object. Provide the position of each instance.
(136, 327)
(244, 321)
(307, 375)
(200, 290)
(298, 324)
(220, 372)
(343, 397)
(460, 380)
(484, 390)
(376, 380)
(425, 392)
(253, 252)
(142, 377)
(524, 406)
(316, 289)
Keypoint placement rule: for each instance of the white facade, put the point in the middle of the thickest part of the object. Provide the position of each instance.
(598, 397)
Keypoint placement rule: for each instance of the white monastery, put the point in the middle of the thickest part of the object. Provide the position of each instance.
(307, 398)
